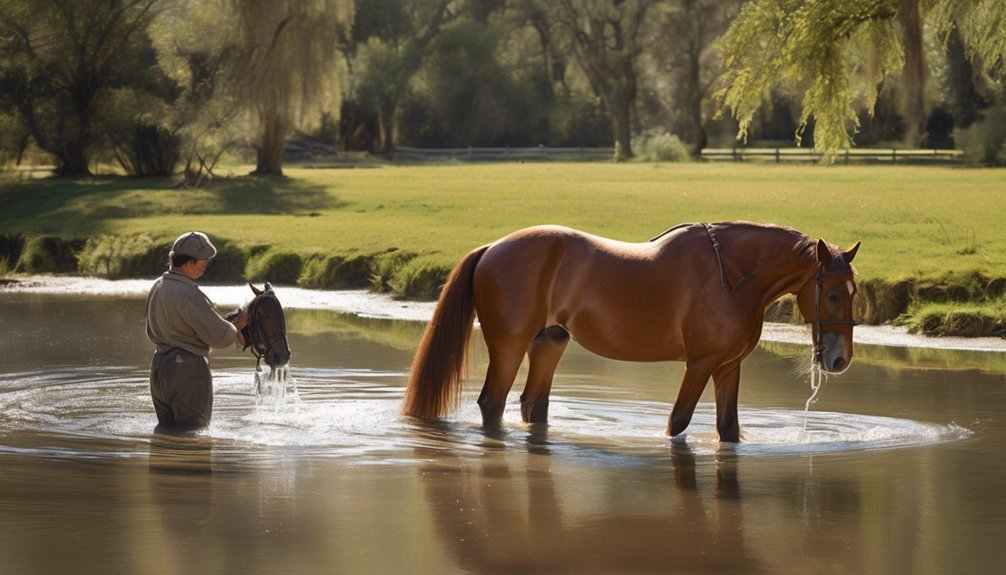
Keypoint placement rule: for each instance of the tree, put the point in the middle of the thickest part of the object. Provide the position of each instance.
(392, 41)
(607, 37)
(59, 63)
(286, 70)
(691, 63)
(837, 51)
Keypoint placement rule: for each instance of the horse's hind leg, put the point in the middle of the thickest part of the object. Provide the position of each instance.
(503, 365)
(543, 357)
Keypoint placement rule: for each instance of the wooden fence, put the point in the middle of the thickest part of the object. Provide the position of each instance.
(780, 155)
(777, 155)
(506, 154)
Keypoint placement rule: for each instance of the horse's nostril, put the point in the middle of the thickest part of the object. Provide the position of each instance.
(839, 364)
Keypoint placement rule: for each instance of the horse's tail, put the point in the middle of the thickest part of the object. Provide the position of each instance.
(436, 378)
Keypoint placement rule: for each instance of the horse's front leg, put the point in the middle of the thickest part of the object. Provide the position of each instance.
(697, 374)
(727, 379)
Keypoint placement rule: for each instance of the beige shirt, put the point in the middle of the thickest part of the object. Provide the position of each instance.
(179, 314)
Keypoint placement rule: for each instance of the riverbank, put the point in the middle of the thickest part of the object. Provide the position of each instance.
(933, 255)
(383, 306)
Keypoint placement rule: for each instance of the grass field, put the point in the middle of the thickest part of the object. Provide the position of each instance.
(914, 221)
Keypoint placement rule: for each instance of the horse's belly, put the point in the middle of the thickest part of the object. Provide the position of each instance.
(639, 341)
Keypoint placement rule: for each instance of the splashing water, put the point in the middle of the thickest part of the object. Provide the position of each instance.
(277, 390)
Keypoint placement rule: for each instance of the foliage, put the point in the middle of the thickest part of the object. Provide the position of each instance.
(275, 266)
(336, 272)
(662, 148)
(835, 52)
(60, 61)
(48, 254)
(114, 256)
(984, 142)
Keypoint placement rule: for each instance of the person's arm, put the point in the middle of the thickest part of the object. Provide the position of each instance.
(209, 325)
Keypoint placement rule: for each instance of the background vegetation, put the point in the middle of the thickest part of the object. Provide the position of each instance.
(160, 86)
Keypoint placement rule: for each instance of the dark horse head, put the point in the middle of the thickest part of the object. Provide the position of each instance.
(265, 333)
(826, 302)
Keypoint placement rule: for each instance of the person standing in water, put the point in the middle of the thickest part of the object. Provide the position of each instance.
(183, 326)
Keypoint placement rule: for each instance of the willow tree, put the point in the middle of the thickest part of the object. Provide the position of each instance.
(836, 52)
(287, 70)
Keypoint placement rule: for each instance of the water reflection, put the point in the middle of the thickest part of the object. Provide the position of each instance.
(512, 513)
(901, 468)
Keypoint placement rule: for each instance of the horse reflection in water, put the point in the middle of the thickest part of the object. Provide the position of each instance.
(494, 517)
(697, 293)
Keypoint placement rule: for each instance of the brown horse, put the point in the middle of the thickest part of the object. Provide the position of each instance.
(697, 293)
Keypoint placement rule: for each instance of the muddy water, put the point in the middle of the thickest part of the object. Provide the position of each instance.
(900, 469)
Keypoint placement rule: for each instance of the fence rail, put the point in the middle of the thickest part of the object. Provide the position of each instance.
(779, 155)
(539, 153)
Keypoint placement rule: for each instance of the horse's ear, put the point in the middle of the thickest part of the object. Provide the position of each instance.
(254, 289)
(268, 286)
(824, 253)
(851, 253)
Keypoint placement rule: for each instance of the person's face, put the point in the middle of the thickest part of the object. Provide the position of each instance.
(195, 268)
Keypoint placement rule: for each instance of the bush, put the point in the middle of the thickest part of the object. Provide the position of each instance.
(49, 254)
(280, 267)
(337, 272)
(421, 279)
(387, 267)
(984, 142)
(120, 257)
(664, 147)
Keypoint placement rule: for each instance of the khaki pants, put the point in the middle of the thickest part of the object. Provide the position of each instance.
(182, 389)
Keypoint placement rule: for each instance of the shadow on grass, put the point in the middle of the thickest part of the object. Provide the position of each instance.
(81, 206)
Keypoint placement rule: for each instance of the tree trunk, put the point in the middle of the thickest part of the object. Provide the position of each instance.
(272, 145)
(74, 161)
(913, 77)
(386, 137)
(622, 130)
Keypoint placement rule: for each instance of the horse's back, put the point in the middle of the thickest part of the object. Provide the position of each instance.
(618, 299)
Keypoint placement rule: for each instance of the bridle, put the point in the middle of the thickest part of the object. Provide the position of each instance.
(255, 334)
(820, 323)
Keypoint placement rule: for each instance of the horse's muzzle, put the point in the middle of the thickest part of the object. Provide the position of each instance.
(833, 355)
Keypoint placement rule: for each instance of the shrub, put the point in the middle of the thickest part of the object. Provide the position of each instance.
(119, 257)
(421, 278)
(49, 254)
(337, 272)
(984, 142)
(276, 266)
(664, 147)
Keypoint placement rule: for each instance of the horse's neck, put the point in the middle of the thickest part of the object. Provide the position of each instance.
(784, 264)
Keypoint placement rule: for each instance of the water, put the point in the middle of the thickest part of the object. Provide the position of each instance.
(899, 469)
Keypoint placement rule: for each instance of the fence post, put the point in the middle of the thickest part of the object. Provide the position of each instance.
(778, 158)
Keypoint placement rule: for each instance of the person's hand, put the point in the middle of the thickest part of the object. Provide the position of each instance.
(241, 339)
(238, 317)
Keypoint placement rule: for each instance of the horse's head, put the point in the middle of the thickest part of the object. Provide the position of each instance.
(825, 301)
(266, 329)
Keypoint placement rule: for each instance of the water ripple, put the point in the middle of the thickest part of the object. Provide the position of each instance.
(87, 412)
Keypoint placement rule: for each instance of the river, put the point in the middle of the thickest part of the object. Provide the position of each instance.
(899, 468)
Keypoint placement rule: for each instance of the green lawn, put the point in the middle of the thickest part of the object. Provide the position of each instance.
(913, 221)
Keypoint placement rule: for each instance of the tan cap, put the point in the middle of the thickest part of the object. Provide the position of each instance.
(194, 244)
